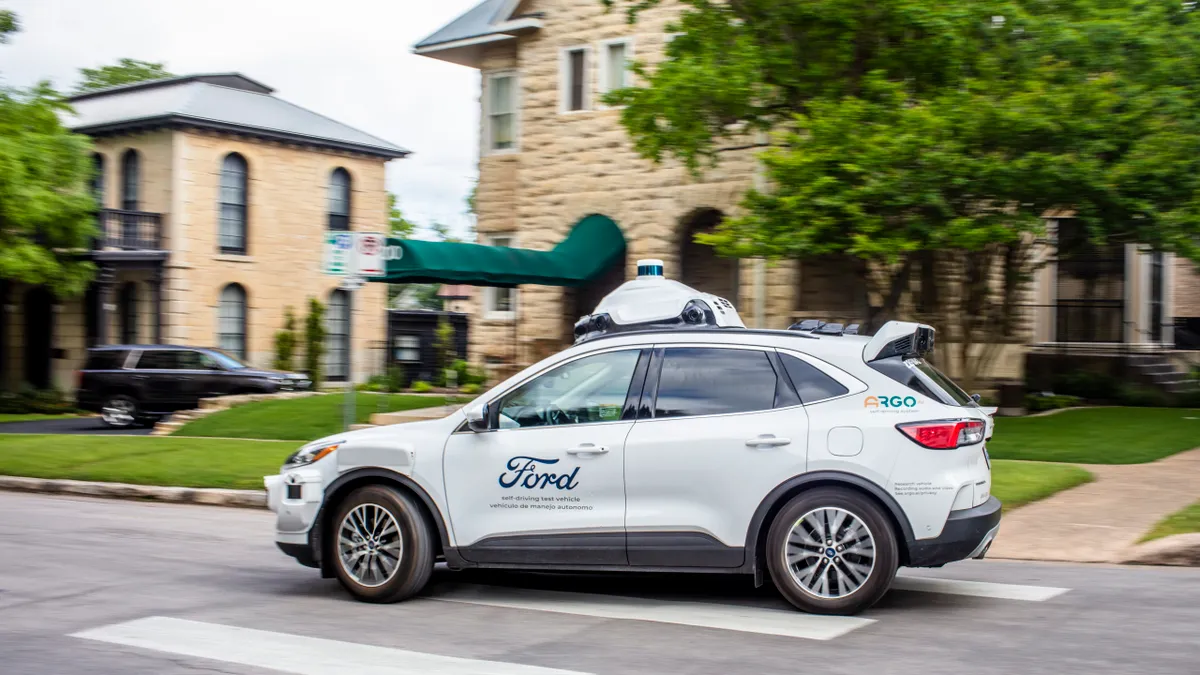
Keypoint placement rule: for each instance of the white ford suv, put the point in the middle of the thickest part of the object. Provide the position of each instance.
(823, 459)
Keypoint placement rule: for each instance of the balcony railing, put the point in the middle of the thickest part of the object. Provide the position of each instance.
(130, 230)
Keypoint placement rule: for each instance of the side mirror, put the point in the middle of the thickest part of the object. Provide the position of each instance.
(477, 418)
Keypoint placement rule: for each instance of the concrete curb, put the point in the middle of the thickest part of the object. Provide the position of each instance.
(179, 495)
(1179, 549)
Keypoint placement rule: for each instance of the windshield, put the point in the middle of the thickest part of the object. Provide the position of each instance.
(941, 384)
(225, 360)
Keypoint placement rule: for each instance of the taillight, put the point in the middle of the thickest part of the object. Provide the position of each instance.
(944, 434)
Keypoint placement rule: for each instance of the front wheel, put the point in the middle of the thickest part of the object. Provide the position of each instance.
(832, 551)
(382, 545)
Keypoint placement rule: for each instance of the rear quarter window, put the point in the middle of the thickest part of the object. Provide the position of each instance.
(109, 359)
(811, 384)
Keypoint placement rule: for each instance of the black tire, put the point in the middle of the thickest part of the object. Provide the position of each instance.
(126, 404)
(416, 554)
(877, 580)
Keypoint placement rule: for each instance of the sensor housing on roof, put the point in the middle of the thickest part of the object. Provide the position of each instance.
(653, 301)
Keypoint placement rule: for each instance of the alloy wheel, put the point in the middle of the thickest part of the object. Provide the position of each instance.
(830, 552)
(118, 412)
(369, 545)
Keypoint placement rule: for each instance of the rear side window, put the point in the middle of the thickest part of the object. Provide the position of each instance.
(108, 359)
(921, 377)
(706, 381)
(939, 381)
(811, 384)
(158, 361)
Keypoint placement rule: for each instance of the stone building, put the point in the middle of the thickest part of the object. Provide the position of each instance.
(215, 197)
(551, 154)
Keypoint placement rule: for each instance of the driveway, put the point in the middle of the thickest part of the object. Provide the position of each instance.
(72, 425)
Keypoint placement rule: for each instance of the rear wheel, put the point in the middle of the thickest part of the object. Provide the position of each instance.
(382, 545)
(832, 551)
(119, 411)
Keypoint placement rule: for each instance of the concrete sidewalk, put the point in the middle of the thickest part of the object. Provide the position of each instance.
(1102, 520)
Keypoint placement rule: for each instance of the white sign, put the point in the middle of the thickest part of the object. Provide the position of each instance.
(369, 249)
(339, 253)
(351, 283)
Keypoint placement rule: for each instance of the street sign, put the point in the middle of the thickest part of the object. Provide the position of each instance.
(351, 283)
(370, 254)
(339, 253)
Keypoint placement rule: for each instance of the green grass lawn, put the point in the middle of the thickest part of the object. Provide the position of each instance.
(144, 460)
(1097, 435)
(31, 417)
(1019, 483)
(299, 419)
(1180, 522)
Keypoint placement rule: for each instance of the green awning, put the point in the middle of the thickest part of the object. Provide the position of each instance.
(593, 245)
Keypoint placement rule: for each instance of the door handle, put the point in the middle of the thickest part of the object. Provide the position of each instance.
(767, 441)
(587, 449)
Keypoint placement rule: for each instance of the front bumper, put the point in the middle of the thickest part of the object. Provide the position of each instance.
(295, 496)
(968, 534)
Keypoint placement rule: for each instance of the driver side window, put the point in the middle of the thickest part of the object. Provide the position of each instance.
(590, 389)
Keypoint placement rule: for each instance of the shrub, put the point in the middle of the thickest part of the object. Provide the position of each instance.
(33, 401)
(285, 341)
(314, 340)
(468, 374)
(1188, 399)
(1143, 397)
(1089, 385)
(422, 387)
(469, 389)
(1040, 402)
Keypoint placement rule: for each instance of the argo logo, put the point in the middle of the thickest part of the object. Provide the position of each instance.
(890, 402)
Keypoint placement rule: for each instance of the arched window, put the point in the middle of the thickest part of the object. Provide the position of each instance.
(98, 179)
(232, 227)
(131, 171)
(339, 200)
(337, 341)
(231, 320)
(127, 306)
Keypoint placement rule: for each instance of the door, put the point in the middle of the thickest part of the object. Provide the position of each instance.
(724, 429)
(39, 336)
(546, 485)
(159, 382)
(192, 378)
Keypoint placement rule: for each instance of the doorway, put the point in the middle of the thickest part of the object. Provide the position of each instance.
(39, 336)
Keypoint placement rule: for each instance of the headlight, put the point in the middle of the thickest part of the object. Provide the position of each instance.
(308, 455)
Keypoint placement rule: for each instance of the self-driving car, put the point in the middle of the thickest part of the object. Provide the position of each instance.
(669, 438)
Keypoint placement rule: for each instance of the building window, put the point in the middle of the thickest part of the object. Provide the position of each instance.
(614, 66)
(337, 341)
(574, 90)
(98, 179)
(232, 226)
(406, 348)
(339, 200)
(500, 303)
(231, 321)
(127, 304)
(130, 177)
(502, 112)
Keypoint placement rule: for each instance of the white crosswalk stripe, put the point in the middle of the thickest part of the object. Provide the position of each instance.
(979, 589)
(297, 654)
(784, 622)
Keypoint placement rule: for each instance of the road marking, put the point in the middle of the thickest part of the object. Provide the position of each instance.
(787, 623)
(979, 589)
(293, 653)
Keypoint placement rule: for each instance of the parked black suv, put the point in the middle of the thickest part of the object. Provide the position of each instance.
(137, 384)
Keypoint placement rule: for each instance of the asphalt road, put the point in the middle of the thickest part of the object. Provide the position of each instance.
(71, 425)
(93, 586)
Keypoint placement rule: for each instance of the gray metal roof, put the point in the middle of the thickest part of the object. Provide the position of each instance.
(479, 20)
(195, 101)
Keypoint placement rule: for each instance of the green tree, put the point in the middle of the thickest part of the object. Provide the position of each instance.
(46, 207)
(314, 340)
(8, 24)
(285, 341)
(398, 225)
(126, 71)
(931, 135)
(443, 347)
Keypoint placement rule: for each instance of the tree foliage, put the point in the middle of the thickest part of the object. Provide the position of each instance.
(46, 207)
(125, 71)
(901, 128)
(314, 341)
(398, 225)
(285, 341)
